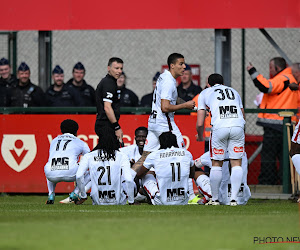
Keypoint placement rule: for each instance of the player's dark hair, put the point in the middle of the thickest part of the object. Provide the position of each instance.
(141, 129)
(279, 62)
(107, 144)
(167, 140)
(173, 58)
(215, 79)
(69, 126)
(114, 59)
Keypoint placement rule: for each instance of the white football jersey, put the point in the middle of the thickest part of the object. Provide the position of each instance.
(165, 89)
(106, 178)
(225, 106)
(64, 154)
(132, 152)
(172, 170)
(296, 136)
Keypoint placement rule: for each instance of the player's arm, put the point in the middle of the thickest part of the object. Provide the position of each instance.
(136, 166)
(142, 172)
(167, 107)
(201, 113)
(113, 120)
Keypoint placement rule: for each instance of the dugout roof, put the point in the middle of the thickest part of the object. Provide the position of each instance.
(154, 14)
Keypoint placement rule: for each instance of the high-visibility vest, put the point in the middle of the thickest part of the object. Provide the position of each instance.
(280, 96)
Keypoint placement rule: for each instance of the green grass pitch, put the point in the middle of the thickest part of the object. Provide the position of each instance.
(27, 223)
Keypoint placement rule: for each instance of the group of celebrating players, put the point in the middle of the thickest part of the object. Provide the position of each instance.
(158, 168)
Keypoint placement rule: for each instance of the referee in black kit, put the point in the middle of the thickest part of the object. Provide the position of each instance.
(108, 100)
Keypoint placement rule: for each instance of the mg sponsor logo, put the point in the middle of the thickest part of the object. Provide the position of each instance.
(18, 151)
(218, 151)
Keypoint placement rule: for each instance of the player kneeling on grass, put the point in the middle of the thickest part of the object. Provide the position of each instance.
(173, 166)
(203, 181)
(110, 174)
(64, 152)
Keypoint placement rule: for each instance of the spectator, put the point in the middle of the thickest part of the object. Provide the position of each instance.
(187, 90)
(128, 97)
(87, 92)
(60, 94)
(25, 93)
(7, 78)
(277, 95)
(146, 100)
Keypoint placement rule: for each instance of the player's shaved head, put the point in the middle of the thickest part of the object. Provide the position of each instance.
(215, 79)
(69, 126)
(167, 140)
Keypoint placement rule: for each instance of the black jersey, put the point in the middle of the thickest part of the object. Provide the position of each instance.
(107, 92)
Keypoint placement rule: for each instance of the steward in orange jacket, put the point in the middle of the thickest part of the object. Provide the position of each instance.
(277, 95)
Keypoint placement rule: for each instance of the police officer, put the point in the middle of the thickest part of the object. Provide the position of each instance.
(7, 78)
(60, 94)
(107, 98)
(87, 92)
(25, 93)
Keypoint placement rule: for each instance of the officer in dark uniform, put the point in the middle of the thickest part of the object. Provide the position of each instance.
(107, 98)
(7, 78)
(187, 90)
(146, 100)
(60, 94)
(128, 97)
(25, 93)
(87, 92)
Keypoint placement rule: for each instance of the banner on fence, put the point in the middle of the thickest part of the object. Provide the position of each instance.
(25, 141)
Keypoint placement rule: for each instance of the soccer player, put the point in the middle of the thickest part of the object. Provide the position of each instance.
(227, 120)
(295, 150)
(64, 153)
(165, 103)
(203, 181)
(134, 152)
(109, 171)
(173, 167)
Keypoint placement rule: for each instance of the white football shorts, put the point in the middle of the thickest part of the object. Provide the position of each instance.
(231, 139)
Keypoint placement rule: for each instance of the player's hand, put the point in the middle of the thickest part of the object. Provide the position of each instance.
(190, 104)
(250, 66)
(199, 138)
(119, 134)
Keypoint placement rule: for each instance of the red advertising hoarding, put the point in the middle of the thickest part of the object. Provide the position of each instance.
(25, 141)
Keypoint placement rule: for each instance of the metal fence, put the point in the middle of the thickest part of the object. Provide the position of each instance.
(145, 51)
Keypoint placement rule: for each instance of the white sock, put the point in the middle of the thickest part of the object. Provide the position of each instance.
(51, 187)
(191, 189)
(215, 181)
(236, 181)
(150, 185)
(296, 162)
(203, 184)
